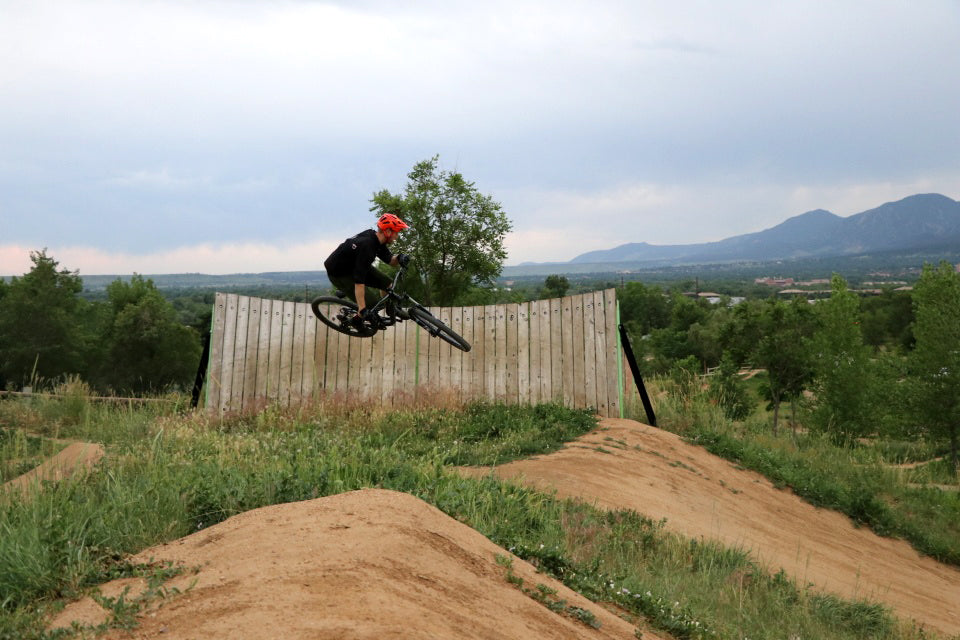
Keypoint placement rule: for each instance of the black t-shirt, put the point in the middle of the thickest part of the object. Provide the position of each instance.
(354, 257)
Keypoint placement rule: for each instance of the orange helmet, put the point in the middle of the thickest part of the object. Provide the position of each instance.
(392, 222)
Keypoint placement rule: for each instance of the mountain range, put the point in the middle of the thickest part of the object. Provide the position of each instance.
(918, 222)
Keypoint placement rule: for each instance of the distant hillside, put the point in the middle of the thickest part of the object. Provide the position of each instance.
(316, 279)
(914, 223)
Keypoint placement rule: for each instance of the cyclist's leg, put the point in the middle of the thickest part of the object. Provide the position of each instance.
(344, 284)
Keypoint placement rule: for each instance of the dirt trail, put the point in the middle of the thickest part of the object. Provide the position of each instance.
(364, 564)
(657, 474)
(77, 457)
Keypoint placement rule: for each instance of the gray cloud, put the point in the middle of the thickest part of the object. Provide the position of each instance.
(148, 127)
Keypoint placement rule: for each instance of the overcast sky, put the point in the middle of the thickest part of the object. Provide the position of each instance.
(164, 136)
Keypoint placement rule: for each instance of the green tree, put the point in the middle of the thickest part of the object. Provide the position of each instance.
(782, 350)
(843, 371)
(146, 347)
(456, 234)
(935, 360)
(555, 286)
(41, 329)
(643, 308)
(729, 391)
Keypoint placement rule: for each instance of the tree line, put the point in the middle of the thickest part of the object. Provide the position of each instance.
(855, 367)
(131, 342)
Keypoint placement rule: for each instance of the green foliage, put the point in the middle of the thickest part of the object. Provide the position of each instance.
(729, 391)
(781, 349)
(844, 378)
(40, 331)
(456, 233)
(555, 286)
(174, 475)
(935, 361)
(145, 346)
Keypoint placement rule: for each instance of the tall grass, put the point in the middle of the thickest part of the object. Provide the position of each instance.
(864, 481)
(167, 475)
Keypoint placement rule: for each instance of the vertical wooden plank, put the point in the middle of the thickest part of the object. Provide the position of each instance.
(239, 353)
(229, 341)
(253, 348)
(490, 352)
(286, 352)
(589, 351)
(217, 332)
(378, 346)
(546, 366)
(523, 353)
(320, 358)
(512, 364)
(500, 360)
(276, 343)
(468, 380)
(263, 353)
(534, 347)
(579, 390)
(612, 331)
(309, 348)
(566, 330)
(410, 378)
(337, 362)
(557, 372)
(388, 365)
(600, 353)
(296, 354)
(454, 320)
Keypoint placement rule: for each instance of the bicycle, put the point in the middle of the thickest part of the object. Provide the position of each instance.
(397, 307)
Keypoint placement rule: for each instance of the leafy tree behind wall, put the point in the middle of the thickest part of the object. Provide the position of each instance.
(456, 235)
(935, 360)
(41, 333)
(145, 346)
(555, 286)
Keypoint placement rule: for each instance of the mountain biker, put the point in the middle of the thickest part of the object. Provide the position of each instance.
(350, 266)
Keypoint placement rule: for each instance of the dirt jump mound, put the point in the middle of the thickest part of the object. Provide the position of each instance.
(628, 465)
(364, 564)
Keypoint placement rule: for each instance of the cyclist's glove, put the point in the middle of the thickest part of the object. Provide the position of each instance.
(403, 259)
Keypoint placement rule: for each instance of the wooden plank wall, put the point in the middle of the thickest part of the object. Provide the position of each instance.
(271, 351)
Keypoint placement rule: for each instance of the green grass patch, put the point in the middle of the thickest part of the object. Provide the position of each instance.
(169, 475)
(862, 482)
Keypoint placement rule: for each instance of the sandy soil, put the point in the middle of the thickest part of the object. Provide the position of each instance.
(655, 473)
(363, 564)
(77, 457)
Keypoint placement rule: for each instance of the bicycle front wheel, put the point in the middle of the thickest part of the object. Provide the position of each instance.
(435, 327)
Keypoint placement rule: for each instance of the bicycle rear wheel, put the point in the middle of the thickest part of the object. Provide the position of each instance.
(338, 314)
(435, 327)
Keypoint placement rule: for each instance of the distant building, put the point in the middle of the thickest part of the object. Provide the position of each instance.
(775, 282)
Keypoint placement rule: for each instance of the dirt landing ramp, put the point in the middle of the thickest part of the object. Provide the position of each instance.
(702, 496)
(75, 458)
(365, 564)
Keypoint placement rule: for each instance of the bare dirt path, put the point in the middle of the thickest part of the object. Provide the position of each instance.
(657, 474)
(77, 457)
(364, 564)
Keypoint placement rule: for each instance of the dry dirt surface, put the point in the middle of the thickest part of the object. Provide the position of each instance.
(77, 457)
(364, 564)
(626, 464)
